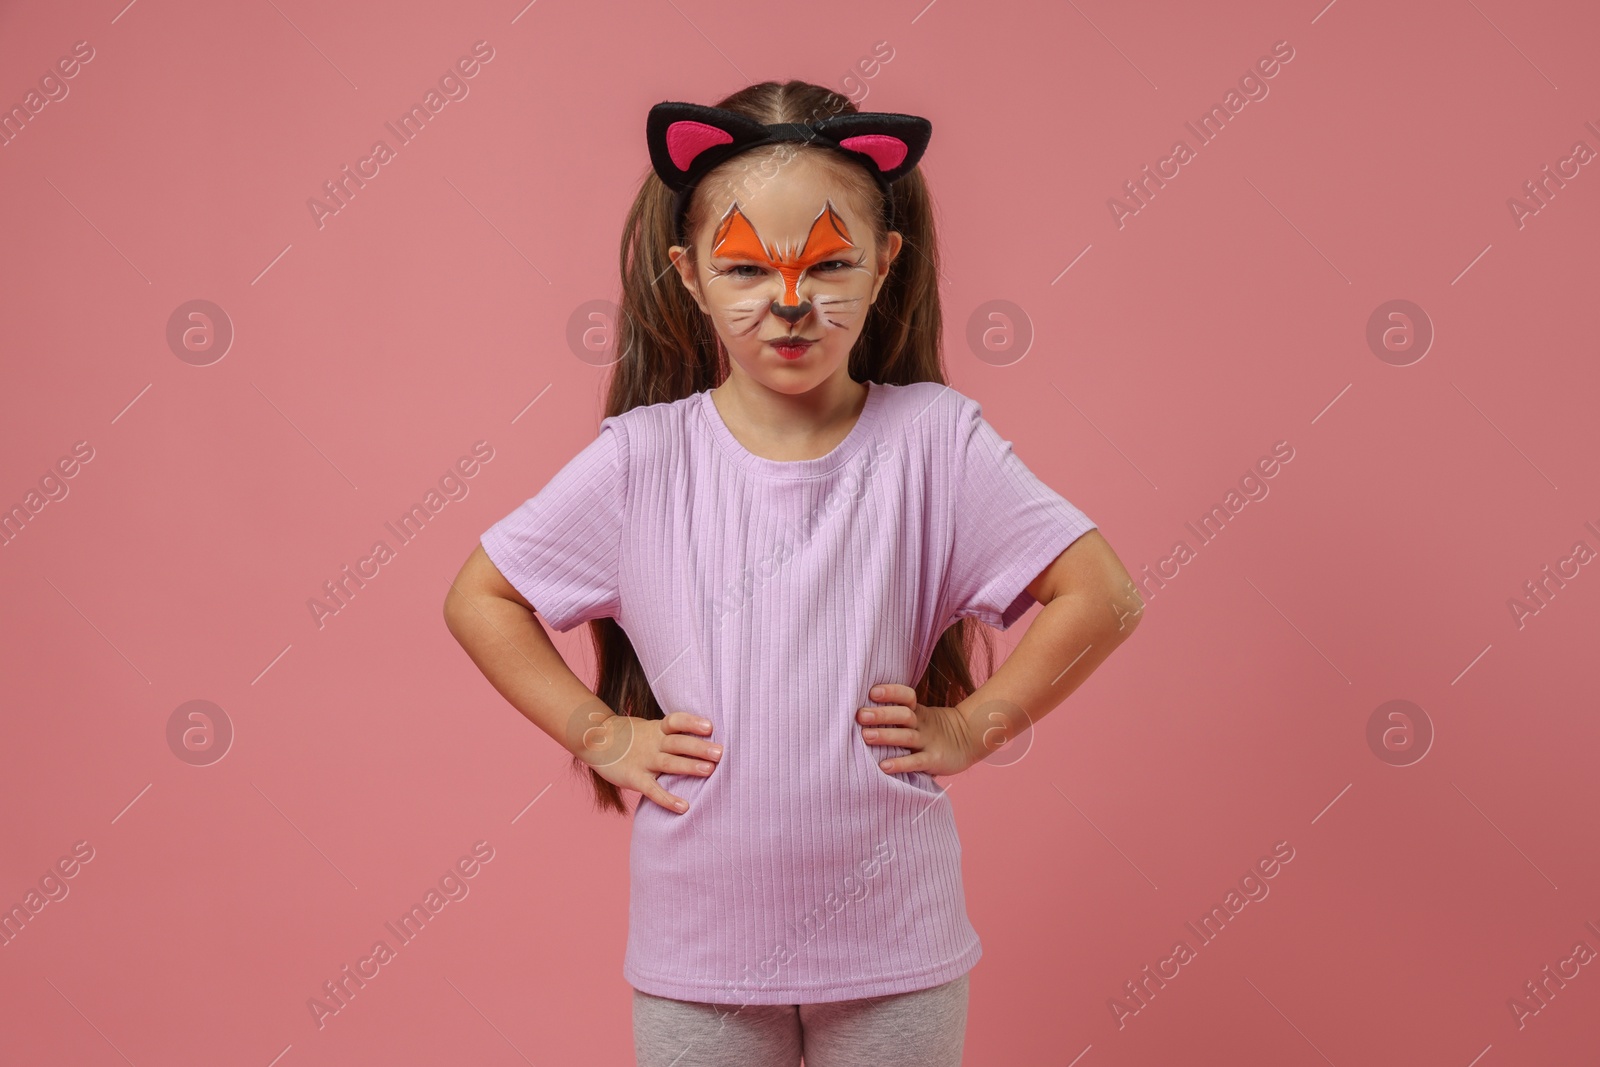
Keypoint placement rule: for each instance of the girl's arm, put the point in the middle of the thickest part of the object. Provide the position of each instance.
(1090, 607)
(497, 627)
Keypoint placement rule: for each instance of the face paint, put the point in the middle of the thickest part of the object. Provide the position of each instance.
(829, 238)
(827, 246)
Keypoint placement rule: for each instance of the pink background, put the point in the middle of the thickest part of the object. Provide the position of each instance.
(1228, 314)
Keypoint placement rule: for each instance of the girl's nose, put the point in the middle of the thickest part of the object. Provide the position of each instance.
(791, 313)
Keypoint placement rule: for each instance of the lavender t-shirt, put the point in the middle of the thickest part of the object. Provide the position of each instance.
(769, 596)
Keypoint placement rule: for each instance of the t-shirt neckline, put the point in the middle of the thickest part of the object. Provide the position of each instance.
(794, 468)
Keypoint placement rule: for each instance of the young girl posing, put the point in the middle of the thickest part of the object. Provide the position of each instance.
(783, 538)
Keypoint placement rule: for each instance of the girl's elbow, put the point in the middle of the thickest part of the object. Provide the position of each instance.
(1127, 608)
(452, 601)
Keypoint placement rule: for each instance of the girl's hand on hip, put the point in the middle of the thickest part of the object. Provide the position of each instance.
(629, 752)
(941, 739)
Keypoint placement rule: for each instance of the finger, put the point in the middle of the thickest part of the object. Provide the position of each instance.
(893, 693)
(687, 745)
(685, 722)
(888, 714)
(653, 790)
(903, 764)
(670, 764)
(903, 738)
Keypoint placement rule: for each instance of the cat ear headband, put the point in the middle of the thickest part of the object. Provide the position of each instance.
(688, 140)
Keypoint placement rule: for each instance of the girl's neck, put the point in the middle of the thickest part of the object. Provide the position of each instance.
(788, 427)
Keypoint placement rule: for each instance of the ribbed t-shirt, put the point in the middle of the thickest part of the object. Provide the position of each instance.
(769, 596)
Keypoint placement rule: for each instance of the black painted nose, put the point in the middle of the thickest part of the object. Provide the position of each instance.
(791, 313)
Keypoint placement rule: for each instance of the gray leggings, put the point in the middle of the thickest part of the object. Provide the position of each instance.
(925, 1027)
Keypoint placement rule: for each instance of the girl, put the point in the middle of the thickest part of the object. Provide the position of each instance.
(783, 539)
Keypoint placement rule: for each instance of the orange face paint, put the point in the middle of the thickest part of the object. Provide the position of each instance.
(736, 238)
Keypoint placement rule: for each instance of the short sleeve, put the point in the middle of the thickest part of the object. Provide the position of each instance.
(562, 548)
(1007, 528)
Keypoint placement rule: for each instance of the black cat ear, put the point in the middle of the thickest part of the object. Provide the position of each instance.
(686, 140)
(893, 142)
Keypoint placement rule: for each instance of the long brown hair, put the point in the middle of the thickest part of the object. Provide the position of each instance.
(670, 351)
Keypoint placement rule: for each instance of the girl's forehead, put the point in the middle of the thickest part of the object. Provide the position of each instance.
(782, 195)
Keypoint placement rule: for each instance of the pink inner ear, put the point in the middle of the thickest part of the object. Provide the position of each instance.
(686, 139)
(886, 151)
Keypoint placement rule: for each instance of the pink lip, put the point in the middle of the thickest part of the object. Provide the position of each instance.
(792, 351)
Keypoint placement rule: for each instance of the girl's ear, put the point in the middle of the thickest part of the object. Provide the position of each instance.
(686, 274)
(888, 254)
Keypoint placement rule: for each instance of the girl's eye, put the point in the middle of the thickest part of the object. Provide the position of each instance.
(831, 266)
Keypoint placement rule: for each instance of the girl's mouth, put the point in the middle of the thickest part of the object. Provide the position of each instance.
(791, 348)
